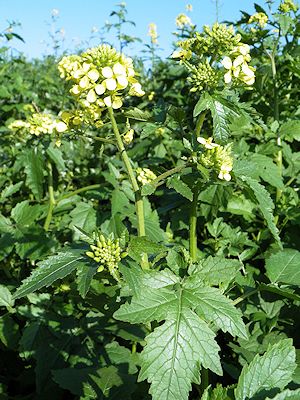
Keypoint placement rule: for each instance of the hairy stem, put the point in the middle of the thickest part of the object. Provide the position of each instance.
(139, 205)
(52, 201)
(77, 191)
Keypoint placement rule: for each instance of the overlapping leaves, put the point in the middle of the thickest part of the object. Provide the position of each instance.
(177, 348)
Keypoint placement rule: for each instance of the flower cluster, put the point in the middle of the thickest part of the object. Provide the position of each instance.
(216, 157)
(203, 54)
(145, 175)
(260, 18)
(107, 253)
(39, 123)
(99, 76)
(183, 21)
(128, 136)
(152, 32)
(287, 6)
(237, 65)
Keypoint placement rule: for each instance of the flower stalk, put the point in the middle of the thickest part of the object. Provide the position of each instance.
(52, 201)
(139, 205)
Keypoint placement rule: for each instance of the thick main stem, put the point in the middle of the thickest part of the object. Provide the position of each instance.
(193, 224)
(52, 201)
(139, 205)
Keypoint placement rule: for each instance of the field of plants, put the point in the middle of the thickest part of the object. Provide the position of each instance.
(149, 218)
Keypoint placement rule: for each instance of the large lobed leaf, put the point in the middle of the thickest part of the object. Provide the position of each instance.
(176, 349)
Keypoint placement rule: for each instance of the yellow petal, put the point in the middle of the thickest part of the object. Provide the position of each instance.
(107, 72)
(226, 62)
(91, 96)
(110, 84)
(100, 89)
(238, 61)
(107, 101)
(119, 69)
(117, 103)
(84, 82)
(122, 81)
(61, 126)
(227, 77)
(93, 74)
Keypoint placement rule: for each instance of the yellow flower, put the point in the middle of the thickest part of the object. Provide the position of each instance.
(259, 18)
(183, 20)
(99, 76)
(145, 175)
(237, 65)
(152, 32)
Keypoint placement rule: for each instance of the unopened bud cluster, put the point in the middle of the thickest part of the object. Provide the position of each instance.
(216, 157)
(203, 54)
(107, 253)
(260, 18)
(99, 77)
(145, 175)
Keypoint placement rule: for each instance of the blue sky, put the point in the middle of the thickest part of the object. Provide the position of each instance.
(77, 18)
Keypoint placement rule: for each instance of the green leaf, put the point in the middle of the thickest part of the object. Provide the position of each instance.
(138, 115)
(211, 304)
(180, 187)
(272, 370)
(290, 130)
(9, 332)
(287, 395)
(10, 190)
(48, 271)
(202, 104)
(265, 204)
(175, 350)
(284, 267)
(85, 273)
(140, 245)
(215, 270)
(6, 299)
(34, 167)
(84, 217)
(24, 214)
(267, 170)
(55, 155)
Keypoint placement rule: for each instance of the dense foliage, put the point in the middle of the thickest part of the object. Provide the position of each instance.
(149, 222)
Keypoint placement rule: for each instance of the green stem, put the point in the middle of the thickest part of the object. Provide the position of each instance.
(52, 201)
(139, 205)
(193, 224)
(80, 190)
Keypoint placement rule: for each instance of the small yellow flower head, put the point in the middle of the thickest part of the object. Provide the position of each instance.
(287, 6)
(151, 96)
(260, 18)
(183, 21)
(107, 253)
(216, 157)
(128, 136)
(99, 77)
(152, 32)
(39, 123)
(145, 175)
(237, 66)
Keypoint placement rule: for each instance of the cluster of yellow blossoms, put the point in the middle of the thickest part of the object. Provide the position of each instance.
(287, 6)
(107, 253)
(152, 32)
(99, 76)
(145, 175)
(259, 18)
(216, 157)
(39, 123)
(183, 21)
(237, 65)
